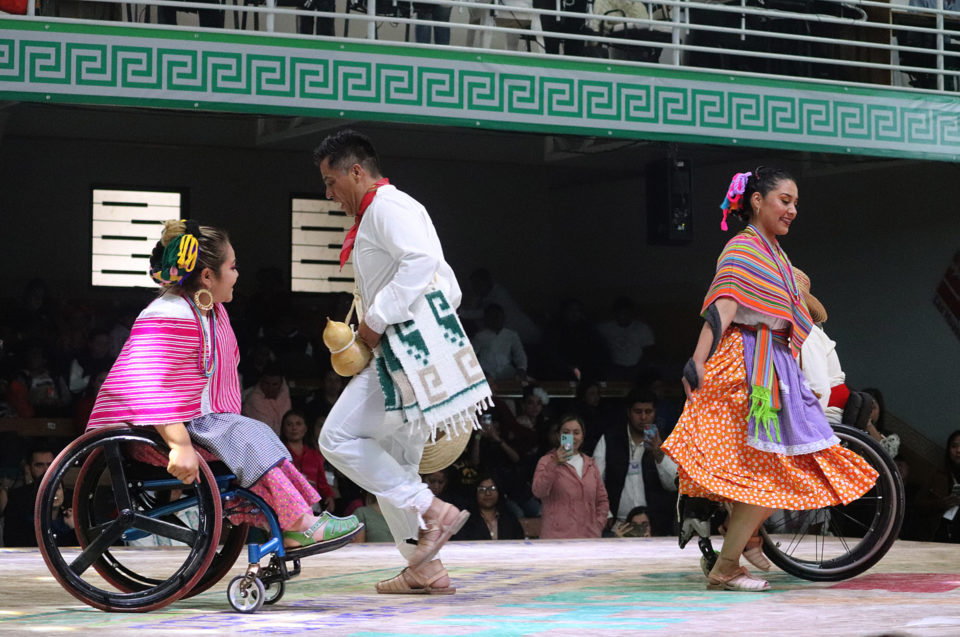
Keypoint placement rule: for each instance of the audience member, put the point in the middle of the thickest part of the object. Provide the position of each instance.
(428, 11)
(575, 348)
(570, 488)
(211, 18)
(95, 358)
(375, 527)
(563, 24)
(594, 411)
(877, 425)
(308, 25)
(637, 524)
(489, 519)
(635, 471)
(83, 407)
(301, 442)
(34, 316)
(498, 348)
(321, 401)
(625, 338)
(446, 488)
(18, 527)
(939, 503)
(270, 399)
(35, 390)
(253, 364)
(483, 291)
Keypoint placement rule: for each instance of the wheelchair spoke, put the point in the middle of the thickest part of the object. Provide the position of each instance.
(166, 529)
(118, 478)
(96, 548)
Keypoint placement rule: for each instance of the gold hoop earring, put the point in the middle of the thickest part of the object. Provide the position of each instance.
(203, 305)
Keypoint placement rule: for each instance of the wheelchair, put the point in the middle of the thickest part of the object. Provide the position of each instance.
(828, 544)
(119, 500)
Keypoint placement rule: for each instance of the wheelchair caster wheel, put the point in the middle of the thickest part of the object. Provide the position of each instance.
(248, 600)
(274, 591)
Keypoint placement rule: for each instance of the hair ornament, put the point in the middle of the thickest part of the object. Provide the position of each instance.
(175, 262)
(734, 199)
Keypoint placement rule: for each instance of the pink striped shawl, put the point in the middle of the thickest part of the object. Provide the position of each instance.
(157, 379)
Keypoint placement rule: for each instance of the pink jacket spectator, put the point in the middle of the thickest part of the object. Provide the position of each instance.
(572, 506)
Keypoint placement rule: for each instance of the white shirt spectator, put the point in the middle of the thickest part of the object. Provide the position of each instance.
(626, 343)
(634, 494)
(500, 353)
(821, 367)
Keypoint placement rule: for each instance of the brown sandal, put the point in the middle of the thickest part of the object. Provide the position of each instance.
(423, 576)
(440, 529)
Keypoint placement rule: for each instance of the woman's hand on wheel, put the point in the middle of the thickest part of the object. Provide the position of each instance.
(184, 465)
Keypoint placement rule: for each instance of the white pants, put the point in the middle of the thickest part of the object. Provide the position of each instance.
(380, 458)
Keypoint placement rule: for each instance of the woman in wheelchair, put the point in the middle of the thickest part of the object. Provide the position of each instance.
(752, 434)
(177, 372)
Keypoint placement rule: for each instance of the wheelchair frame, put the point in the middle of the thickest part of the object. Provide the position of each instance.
(97, 461)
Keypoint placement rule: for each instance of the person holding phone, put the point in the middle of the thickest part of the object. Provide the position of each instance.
(939, 503)
(569, 485)
(635, 470)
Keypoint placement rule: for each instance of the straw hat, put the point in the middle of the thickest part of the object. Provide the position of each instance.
(817, 312)
(441, 454)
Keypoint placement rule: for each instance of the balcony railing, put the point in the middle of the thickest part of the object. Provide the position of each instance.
(859, 42)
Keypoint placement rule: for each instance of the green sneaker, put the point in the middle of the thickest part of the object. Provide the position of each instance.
(334, 529)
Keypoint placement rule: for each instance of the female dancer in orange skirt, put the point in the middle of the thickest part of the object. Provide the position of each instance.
(752, 434)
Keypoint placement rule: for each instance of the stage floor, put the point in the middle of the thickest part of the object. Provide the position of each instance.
(558, 588)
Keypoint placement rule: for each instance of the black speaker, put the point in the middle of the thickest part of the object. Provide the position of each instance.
(669, 205)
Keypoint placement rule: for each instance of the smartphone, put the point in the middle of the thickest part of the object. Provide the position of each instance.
(956, 489)
(486, 419)
(566, 441)
(650, 432)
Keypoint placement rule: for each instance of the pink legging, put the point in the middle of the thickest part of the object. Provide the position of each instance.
(284, 488)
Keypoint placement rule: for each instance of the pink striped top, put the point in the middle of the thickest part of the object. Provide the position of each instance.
(158, 377)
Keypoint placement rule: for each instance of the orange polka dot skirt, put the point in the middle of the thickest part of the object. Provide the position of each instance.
(709, 444)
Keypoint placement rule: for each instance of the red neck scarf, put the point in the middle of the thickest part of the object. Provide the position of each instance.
(351, 237)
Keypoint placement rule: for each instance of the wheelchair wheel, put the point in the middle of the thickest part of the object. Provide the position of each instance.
(246, 599)
(839, 542)
(110, 506)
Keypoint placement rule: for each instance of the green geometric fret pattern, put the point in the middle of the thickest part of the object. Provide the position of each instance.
(76, 62)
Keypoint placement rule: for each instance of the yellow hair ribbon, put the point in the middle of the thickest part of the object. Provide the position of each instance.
(187, 255)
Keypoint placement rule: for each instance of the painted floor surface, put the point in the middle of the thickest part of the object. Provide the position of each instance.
(557, 588)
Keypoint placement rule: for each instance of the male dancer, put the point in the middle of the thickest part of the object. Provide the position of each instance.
(397, 260)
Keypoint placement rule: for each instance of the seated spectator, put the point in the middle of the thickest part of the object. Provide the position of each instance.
(36, 390)
(574, 348)
(563, 24)
(375, 527)
(301, 442)
(571, 489)
(252, 365)
(94, 359)
(483, 291)
(18, 527)
(914, 39)
(637, 524)
(939, 503)
(437, 13)
(211, 18)
(498, 348)
(321, 401)
(489, 518)
(877, 427)
(596, 413)
(635, 471)
(34, 317)
(83, 407)
(445, 487)
(625, 338)
(270, 399)
(308, 25)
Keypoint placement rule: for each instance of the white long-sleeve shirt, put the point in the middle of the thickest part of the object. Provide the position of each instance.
(397, 256)
(500, 353)
(633, 490)
(821, 367)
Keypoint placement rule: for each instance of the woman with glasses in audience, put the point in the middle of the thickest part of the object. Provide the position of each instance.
(490, 519)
